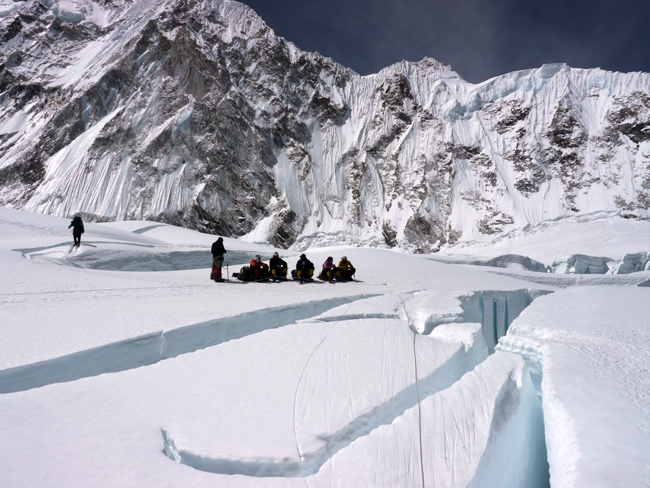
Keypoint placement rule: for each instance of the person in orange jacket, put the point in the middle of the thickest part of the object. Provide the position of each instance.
(259, 269)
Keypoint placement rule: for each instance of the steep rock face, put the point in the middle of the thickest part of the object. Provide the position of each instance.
(196, 113)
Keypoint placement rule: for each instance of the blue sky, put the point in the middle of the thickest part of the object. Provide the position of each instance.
(479, 39)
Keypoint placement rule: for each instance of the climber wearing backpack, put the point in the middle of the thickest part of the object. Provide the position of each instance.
(218, 250)
(77, 228)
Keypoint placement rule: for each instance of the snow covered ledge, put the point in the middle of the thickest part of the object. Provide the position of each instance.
(495, 310)
(591, 346)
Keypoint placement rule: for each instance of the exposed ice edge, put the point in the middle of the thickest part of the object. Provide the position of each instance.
(451, 371)
(494, 320)
(574, 264)
(562, 456)
(151, 348)
(493, 309)
(567, 280)
(531, 351)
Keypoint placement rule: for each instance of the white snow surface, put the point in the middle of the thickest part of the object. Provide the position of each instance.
(597, 234)
(122, 364)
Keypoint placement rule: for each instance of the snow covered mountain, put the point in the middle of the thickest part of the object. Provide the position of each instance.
(196, 113)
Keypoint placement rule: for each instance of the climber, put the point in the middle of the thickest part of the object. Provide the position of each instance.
(259, 269)
(345, 271)
(327, 274)
(304, 269)
(218, 250)
(278, 267)
(77, 228)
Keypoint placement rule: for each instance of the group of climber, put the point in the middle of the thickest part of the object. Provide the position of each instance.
(277, 268)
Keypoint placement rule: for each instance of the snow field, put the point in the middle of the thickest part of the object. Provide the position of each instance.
(158, 346)
(162, 378)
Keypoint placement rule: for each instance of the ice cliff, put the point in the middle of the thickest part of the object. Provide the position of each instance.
(196, 113)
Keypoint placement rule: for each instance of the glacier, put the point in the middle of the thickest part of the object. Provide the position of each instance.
(498, 334)
(421, 374)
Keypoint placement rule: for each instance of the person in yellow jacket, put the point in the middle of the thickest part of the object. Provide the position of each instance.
(345, 270)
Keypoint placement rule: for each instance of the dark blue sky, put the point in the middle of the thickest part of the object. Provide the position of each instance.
(479, 39)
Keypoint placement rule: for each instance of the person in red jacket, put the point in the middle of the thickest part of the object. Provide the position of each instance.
(259, 269)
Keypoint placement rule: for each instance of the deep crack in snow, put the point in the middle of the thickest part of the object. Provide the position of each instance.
(151, 348)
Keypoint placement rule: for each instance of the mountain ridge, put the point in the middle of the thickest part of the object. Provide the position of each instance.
(197, 114)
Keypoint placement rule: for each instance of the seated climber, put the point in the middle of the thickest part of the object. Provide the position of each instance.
(329, 269)
(259, 269)
(345, 271)
(304, 269)
(278, 267)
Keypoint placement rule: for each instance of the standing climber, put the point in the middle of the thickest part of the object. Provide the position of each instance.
(278, 267)
(77, 228)
(218, 250)
(304, 269)
(345, 271)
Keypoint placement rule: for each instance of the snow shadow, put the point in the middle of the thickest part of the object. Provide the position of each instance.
(149, 261)
(147, 228)
(518, 420)
(356, 316)
(496, 310)
(161, 261)
(151, 348)
(207, 334)
(442, 378)
(158, 261)
(516, 261)
(567, 280)
(39, 251)
(132, 259)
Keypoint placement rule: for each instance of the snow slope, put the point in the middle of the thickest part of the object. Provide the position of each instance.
(117, 373)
